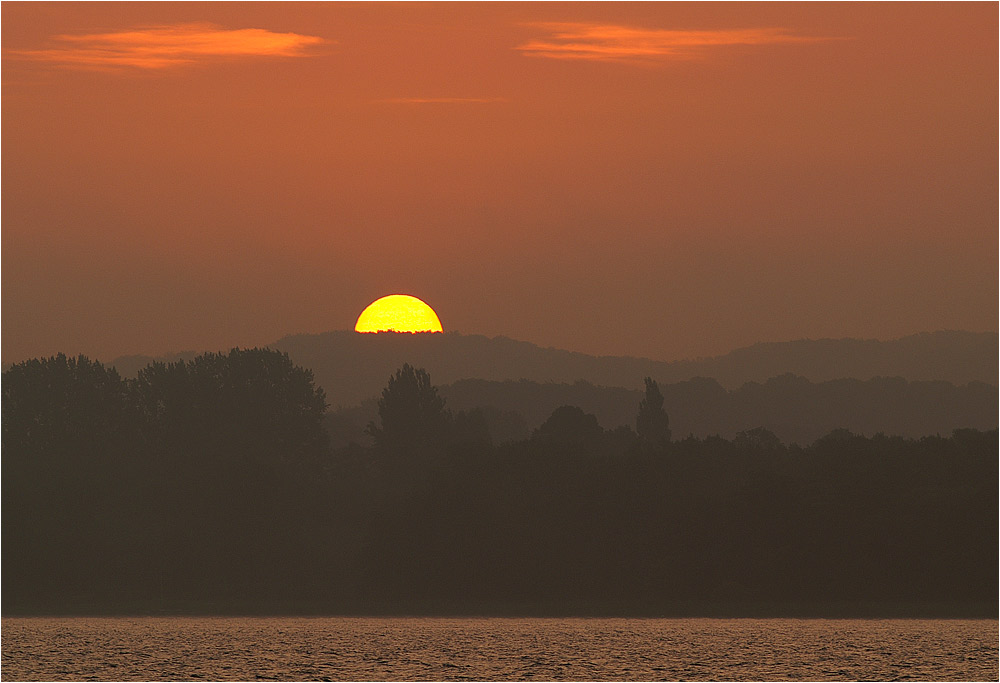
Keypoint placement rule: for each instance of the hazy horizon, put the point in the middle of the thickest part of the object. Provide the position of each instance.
(658, 180)
(717, 283)
(262, 344)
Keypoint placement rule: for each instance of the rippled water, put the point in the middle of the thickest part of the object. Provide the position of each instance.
(223, 648)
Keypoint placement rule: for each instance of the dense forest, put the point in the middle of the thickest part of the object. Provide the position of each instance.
(210, 485)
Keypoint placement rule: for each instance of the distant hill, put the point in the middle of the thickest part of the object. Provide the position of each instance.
(797, 410)
(352, 367)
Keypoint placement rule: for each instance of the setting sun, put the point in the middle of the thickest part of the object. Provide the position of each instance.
(398, 313)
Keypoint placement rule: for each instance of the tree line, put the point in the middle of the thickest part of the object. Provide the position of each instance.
(210, 485)
(794, 408)
(352, 367)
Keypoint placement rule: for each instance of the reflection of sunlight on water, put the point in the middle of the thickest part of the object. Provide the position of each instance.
(223, 648)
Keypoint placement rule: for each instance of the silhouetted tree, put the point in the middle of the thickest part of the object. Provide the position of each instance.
(570, 426)
(757, 438)
(411, 412)
(247, 403)
(237, 445)
(652, 423)
(69, 460)
(60, 404)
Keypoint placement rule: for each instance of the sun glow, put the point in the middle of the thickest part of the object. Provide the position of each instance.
(398, 313)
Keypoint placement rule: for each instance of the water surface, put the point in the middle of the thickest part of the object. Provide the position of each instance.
(232, 648)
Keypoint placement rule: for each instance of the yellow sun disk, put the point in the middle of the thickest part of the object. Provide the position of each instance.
(399, 313)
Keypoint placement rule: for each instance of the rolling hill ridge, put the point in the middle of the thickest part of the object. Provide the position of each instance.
(353, 367)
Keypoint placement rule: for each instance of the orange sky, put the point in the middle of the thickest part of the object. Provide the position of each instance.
(658, 179)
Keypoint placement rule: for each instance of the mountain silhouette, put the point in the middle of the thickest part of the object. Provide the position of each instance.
(352, 367)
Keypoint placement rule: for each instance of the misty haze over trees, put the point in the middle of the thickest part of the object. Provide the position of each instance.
(797, 410)
(799, 390)
(352, 367)
(211, 485)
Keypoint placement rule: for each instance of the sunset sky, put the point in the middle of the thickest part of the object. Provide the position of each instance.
(661, 179)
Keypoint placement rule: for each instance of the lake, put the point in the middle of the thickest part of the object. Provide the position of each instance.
(319, 648)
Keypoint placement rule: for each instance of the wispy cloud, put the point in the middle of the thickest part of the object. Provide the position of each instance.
(602, 42)
(160, 47)
(443, 100)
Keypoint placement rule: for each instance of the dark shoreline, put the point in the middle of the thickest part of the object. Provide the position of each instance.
(690, 610)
